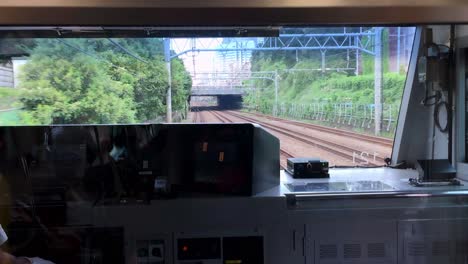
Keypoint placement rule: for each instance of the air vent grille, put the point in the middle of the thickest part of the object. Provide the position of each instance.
(352, 251)
(329, 251)
(376, 250)
(440, 248)
(416, 249)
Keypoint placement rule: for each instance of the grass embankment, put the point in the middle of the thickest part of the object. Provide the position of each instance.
(9, 100)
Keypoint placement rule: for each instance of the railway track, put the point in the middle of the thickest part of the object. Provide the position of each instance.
(222, 118)
(337, 149)
(225, 119)
(286, 154)
(368, 138)
(329, 146)
(198, 117)
(201, 117)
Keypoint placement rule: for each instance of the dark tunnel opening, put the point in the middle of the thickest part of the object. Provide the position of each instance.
(224, 102)
(229, 102)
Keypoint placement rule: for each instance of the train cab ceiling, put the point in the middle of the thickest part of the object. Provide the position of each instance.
(226, 12)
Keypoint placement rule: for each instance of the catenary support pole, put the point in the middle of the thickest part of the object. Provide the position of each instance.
(398, 49)
(167, 59)
(378, 81)
(275, 112)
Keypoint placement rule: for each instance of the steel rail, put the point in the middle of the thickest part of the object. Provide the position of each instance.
(334, 148)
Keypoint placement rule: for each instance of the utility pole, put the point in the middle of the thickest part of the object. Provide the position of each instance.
(398, 49)
(323, 60)
(356, 43)
(167, 59)
(378, 80)
(193, 58)
(275, 111)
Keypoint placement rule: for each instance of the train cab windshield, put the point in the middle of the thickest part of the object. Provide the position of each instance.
(328, 92)
(266, 144)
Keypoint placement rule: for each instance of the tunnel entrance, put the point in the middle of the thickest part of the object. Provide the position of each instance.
(229, 102)
(219, 102)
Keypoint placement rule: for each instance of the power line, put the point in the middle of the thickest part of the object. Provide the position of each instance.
(97, 57)
(126, 50)
(82, 51)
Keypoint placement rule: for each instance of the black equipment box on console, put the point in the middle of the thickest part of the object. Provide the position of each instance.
(435, 170)
(307, 168)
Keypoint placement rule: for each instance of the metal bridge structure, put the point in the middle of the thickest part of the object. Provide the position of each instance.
(203, 90)
(362, 41)
(321, 42)
(229, 83)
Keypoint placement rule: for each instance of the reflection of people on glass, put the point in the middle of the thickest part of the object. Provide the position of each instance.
(6, 258)
(119, 151)
(121, 166)
(72, 150)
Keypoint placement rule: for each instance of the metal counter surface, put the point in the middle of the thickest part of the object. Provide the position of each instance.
(396, 179)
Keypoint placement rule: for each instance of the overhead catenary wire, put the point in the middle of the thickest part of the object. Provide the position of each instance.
(97, 57)
(115, 43)
(83, 51)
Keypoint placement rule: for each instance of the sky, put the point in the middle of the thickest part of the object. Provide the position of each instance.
(206, 61)
(203, 60)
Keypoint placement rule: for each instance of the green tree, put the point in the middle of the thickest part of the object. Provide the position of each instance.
(96, 81)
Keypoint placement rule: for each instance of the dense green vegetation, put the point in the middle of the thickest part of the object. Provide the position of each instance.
(78, 81)
(8, 97)
(9, 115)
